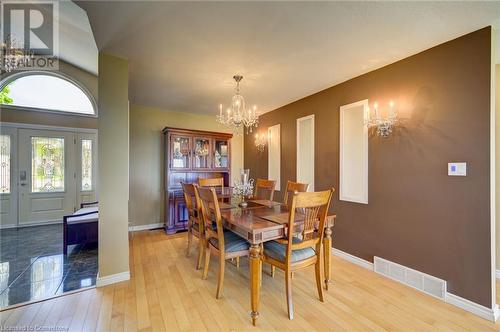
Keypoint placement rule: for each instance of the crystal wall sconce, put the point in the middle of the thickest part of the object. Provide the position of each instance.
(384, 125)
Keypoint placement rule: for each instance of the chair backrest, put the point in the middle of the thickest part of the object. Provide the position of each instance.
(313, 210)
(292, 187)
(213, 182)
(193, 204)
(210, 211)
(264, 189)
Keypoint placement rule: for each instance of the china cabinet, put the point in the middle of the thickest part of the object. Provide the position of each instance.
(190, 155)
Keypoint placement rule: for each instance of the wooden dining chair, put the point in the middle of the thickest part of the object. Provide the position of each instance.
(292, 187)
(195, 220)
(299, 250)
(264, 189)
(213, 182)
(223, 243)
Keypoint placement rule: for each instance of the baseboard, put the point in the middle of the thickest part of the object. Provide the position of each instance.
(31, 224)
(145, 227)
(457, 301)
(472, 307)
(112, 279)
(353, 259)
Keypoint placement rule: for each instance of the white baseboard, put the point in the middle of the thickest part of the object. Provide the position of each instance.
(112, 279)
(472, 307)
(145, 227)
(353, 259)
(467, 305)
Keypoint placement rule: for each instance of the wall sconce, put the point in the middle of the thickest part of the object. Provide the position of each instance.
(384, 125)
(260, 141)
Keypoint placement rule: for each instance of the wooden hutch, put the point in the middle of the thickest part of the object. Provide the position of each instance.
(190, 155)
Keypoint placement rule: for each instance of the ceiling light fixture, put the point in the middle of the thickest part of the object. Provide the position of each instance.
(237, 116)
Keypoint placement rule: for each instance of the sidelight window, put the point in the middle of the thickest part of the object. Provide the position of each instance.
(86, 164)
(5, 164)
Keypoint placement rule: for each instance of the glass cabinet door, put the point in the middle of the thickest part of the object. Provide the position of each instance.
(180, 148)
(221, 154)
(201, 153)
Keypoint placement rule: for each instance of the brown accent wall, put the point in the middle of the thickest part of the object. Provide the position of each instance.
(417, 215)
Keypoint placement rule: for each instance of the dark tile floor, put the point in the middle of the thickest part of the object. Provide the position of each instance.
(33, 266)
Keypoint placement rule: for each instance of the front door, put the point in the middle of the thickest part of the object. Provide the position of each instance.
(47, 175)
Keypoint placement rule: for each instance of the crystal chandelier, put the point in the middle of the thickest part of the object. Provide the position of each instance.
(13, 57)
(237, 115)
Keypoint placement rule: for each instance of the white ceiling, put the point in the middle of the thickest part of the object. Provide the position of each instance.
(183, 55)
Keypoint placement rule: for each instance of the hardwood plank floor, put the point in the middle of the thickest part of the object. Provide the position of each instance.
(166, 293)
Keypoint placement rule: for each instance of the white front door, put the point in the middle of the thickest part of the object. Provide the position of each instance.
(47, 175)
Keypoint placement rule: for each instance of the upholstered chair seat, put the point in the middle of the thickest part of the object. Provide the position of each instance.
(277, 251)
(232, 242)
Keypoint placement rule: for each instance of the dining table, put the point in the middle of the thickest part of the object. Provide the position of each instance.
(261, 221)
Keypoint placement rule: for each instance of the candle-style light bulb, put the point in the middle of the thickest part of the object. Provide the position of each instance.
(220, 111)
(392, 111)
(375, 106)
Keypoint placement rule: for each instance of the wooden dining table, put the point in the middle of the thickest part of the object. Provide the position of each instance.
(262, 221)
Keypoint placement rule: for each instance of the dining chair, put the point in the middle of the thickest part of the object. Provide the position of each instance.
(264, 189)
(292, 187)
(298, 250)
(212, 182)
(223, 243)
(195, 221)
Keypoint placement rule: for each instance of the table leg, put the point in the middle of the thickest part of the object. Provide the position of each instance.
(255, 275)
(327, 249)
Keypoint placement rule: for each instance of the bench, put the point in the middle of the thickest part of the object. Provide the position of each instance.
(81, 227)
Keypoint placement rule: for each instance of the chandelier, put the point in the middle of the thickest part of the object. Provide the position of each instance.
(237, 116)
(13, 56)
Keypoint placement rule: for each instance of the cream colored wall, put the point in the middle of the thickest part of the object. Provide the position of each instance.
(497, 154)
(113, 170)
(146, 157)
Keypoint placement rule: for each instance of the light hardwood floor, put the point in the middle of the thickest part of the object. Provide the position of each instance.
(167, 293)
